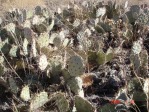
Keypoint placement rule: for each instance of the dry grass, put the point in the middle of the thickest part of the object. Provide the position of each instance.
(53, 5)
(5, 5)
(133, 2)
(9, 4)
(23, 3)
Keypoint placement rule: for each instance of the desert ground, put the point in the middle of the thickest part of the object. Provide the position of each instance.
(6, 4)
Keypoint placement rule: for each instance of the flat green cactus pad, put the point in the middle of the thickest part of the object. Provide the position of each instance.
(60, 101)
(25, 93)
(83, 105)
(38, 100)
(75, 66)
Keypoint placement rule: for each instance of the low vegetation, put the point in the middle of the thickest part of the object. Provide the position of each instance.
(87, 57)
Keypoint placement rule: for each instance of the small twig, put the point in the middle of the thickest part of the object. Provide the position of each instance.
(10, 65)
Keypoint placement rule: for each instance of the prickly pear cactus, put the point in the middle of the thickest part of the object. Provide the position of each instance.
(56, 64)
(144, 63)
(92, 56)
(112, 10)
(1, 59)
(33, 48)
(9, 31)
(146, 87)
(41, 28)
(75, 85)
(2, 69)
(25, 93)
(101, 12)
(66, 42)
(66, 47)
(42, 62)
(75, 66)
(52, 37)
(1, 21)
(37, 20)
(139, 59)
(109, 54)
(29, 13)
(5, 46)
(134, 84)
(10, 27)
(128, 34)
(20, 19)
(135, 60)
(23, 13)
(143, 19)
(76, 23)
(45, 12)
(39, 24)
(80, 37)
(103, 58)
(57, 41)
(28, 33)
(135, 87)
(38, 10)
(106, 26)
(66, 75)
(51, 25)
(107, 108)
(133, 13)
(38, 100)
(13, 51)
(136, 48)
(80, 103)
(43, 40)
(60, 101)
(27, 24)
(139, 96)
(25, 47)
(13, 85)
(99, 29)
(134, 56)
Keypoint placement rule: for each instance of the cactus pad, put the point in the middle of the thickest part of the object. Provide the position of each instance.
(83, 105)
(75, 66)
(38, 100)
(13, 85)
(43, 40)
(13, 51)
(146, 86)
(101, 57)
(60, 101)
(25, 93)
(75, 85)
(42, 62)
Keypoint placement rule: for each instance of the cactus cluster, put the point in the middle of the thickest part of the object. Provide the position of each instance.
(49, 53)
(139, 59)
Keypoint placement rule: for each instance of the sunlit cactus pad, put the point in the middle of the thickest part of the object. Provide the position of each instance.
(75, 66)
